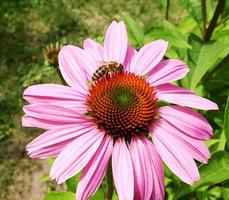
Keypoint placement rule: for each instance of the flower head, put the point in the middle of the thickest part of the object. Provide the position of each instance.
(117, 118)
(50, 53)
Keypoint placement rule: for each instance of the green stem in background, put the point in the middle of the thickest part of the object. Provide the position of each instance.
(204, 15)
(212, 25)
(110, 184)
(167, 10)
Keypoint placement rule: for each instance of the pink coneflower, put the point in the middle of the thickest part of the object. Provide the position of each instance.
(117, 118)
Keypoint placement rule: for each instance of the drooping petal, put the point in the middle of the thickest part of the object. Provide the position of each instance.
(74, 66)
(173, 153)
(183, 97)
(129, 55)
(158, 173)
(28, 121)
(52, 142)
(143, 171)
(48, 152)
(122, 170)
(47, 93)
(148, 57)
(187, 120)
(167, 71)
(49, 116)
(196, 148)
(115, 42)
(94, 171)
(76, 155)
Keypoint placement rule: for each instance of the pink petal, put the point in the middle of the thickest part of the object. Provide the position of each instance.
(158, 173)
(122, 170)
(52, 142)
(143, 172)
(46, 93)
(196, 148)
(129, 55)
(48, 152)
(74, 66)
(115, 42)
(174, 154)
(180, 96)
(94, 49)
(94, 171)
(49, 116)
(167, 71)
(28, 121)
(187, 120)
(76, 155)
(148, 57)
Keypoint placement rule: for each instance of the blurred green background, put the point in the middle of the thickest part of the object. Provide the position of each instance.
(27, 27)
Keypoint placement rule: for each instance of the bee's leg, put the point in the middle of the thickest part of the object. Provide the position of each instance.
(106, 75)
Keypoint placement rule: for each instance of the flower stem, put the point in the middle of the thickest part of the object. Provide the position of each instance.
(110, 184)
(204, 15)
(167, 10)
(219, 8)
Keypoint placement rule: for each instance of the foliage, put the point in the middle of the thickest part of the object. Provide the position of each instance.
(60, 196)
(29, 26)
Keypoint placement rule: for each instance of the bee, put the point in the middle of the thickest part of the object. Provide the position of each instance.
(106, 68)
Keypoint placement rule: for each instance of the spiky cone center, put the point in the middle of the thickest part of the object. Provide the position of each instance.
(51, 53)
(122, 104)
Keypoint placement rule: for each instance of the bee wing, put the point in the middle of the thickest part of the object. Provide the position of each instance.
(101, 63)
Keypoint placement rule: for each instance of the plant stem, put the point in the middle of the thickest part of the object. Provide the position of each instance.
(167, 10)
(204, 15)
(110, 184)
(212, 25)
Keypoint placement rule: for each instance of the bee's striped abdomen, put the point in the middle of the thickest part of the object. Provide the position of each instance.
(102, 70)
(106, 69)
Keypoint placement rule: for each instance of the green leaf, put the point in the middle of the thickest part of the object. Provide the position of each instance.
(210, 9)
(211, 142)
(98, 195)
(115, 196)
(192, 57)
(170, 33)
(134, 30)
(222, 142)
(212, 173)
(45, 177)
(60, 196)
(217, 84)
(72, 182)
(193, 7)
(215, 171)
(226, 121)
(182, 191)
(210, 55)
(187, 25)
(226, 10)
(221, 32)
(172, 53)
(177, 34)
(225, 193)
(162, 3)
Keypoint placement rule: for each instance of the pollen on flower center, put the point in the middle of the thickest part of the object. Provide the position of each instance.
(122, 104)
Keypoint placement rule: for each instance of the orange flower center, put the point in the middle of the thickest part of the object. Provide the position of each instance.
(122, 104)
